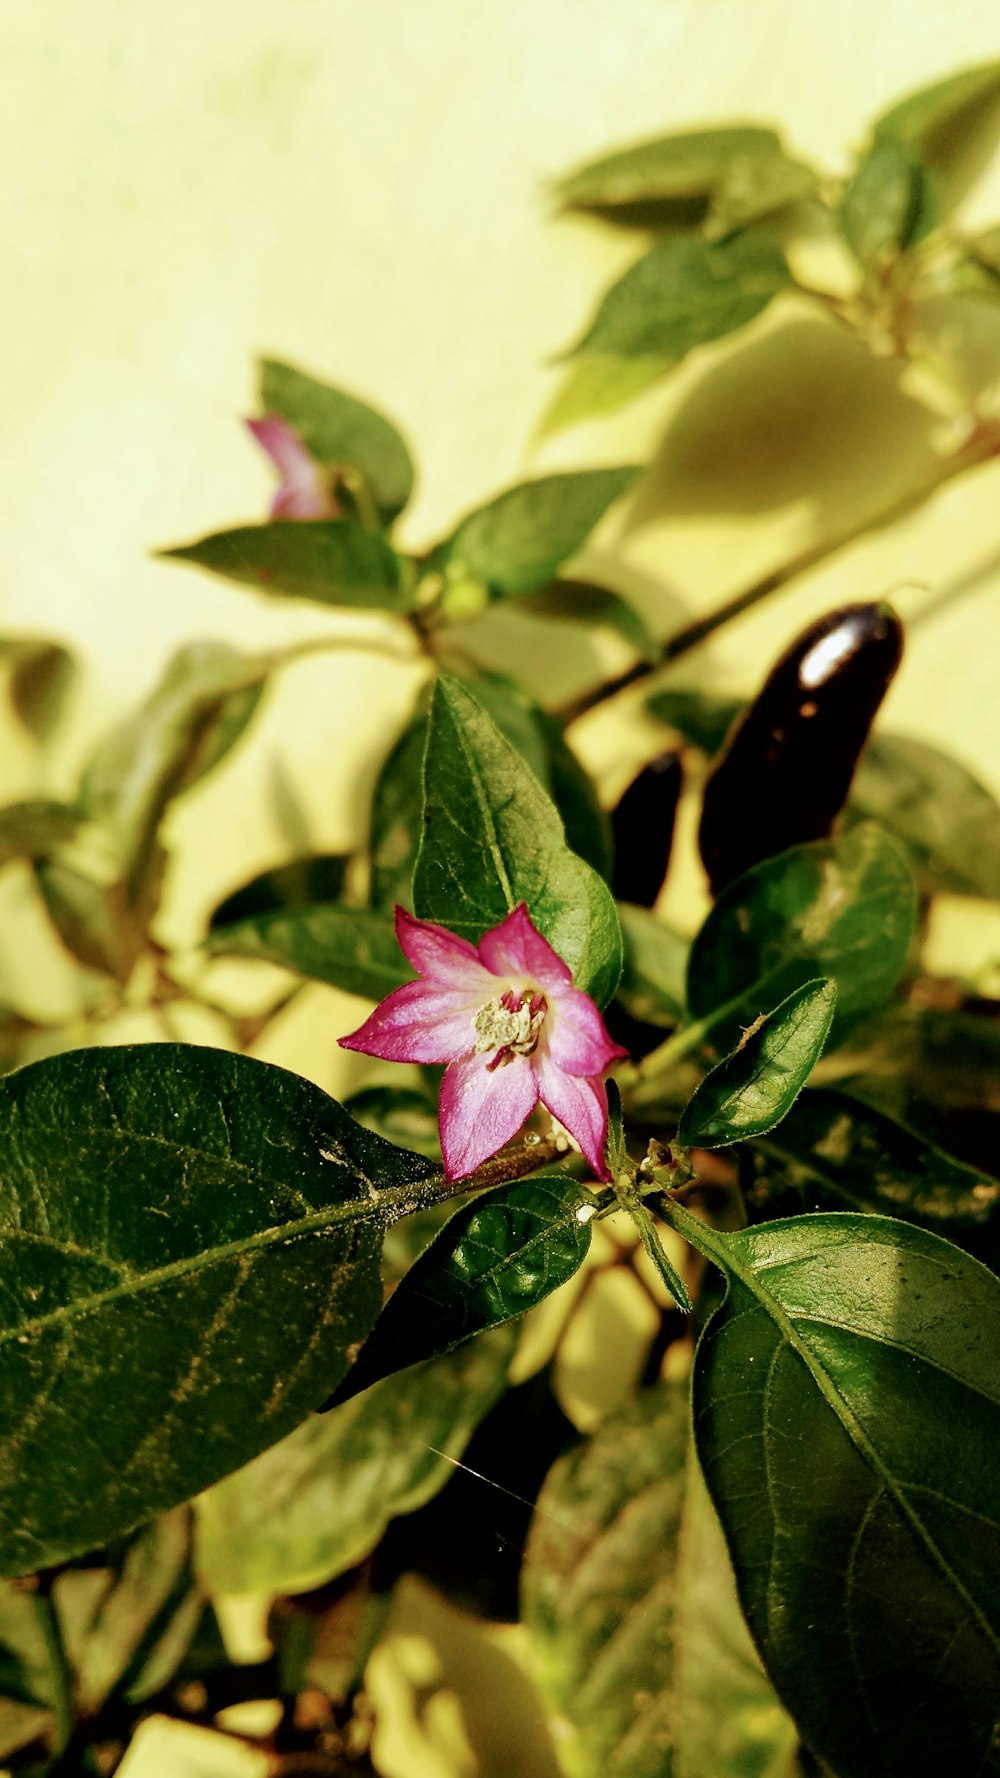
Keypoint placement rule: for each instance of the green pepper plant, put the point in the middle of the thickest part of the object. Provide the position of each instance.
(247, 1331)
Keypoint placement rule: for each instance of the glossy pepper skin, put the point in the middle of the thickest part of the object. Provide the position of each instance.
(785, 771)
(642, 827)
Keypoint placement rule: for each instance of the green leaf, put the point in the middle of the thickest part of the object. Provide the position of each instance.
(33, 829)
(688, 164)
(699, 717)
(302, 882)
(40, 677)
(597, 385)
(757, 1085)
(886, 206)
(188, 1246)
(847, 1417)
(938, 1072)
(945, 817)
(493, 1260)
(835, 1153)
(331, 561)
(654, 968)
(637, 1641)
(919, 116)
(317, 1503)
(340, 432)
(351, 948)
(190, 721)
(757, 187)
(492, 838)
(843, 908)
(516, 542)
(125, 1627)
(579, 602)
(685, 293)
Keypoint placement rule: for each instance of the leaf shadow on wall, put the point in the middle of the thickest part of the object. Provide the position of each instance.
(801, 413)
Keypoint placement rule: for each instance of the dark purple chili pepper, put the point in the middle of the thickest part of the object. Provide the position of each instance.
(786, 768)
(642, 826)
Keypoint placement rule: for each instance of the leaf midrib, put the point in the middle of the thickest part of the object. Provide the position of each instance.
(707, 1241)
(382, 1205)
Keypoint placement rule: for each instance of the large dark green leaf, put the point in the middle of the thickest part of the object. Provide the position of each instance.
(331, 561)
(516, 542)
(886, 205)
(188, 1246)
(318, 1502)
(847, 1416)
(636, 1634)
(340, 431)
(942, 813)
(843, 908)
(492, 838)
(493, 1260)
(351, 948)
(754, 1088)
(937, 1071)
(833, 1152)
(686, 292)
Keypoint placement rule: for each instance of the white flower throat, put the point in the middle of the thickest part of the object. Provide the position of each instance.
(510, 1024)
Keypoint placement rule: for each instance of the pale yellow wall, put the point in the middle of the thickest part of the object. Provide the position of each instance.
(360, 188)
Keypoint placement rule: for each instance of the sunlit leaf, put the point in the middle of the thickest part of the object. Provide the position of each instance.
(318, 1502)
(843, 908)
(492, 1261)
(685, 293)
(351, 948)
(189, 1246)
(847, 1417)
(330, 561)
(516, 543)
(340, 431)
(887, 204)
(756, 1086)
(688, 164)
(599, 384)
(922, 114)
(492, 838)
(34, 829)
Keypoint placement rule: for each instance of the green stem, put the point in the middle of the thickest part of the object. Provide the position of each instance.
(981, 447)
(60, 1673)
(627, 1193)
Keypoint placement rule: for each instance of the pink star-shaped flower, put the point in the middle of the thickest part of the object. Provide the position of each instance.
(505, 1016)
(305, 491)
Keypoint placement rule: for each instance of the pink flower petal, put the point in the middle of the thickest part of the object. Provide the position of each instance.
(576, 1036)
(441, 955)
(580, 1105)
(516, 947)
(480, 1110)
(419, 1023)
(304, 492)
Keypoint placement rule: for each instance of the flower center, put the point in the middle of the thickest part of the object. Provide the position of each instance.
(510, 1025)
